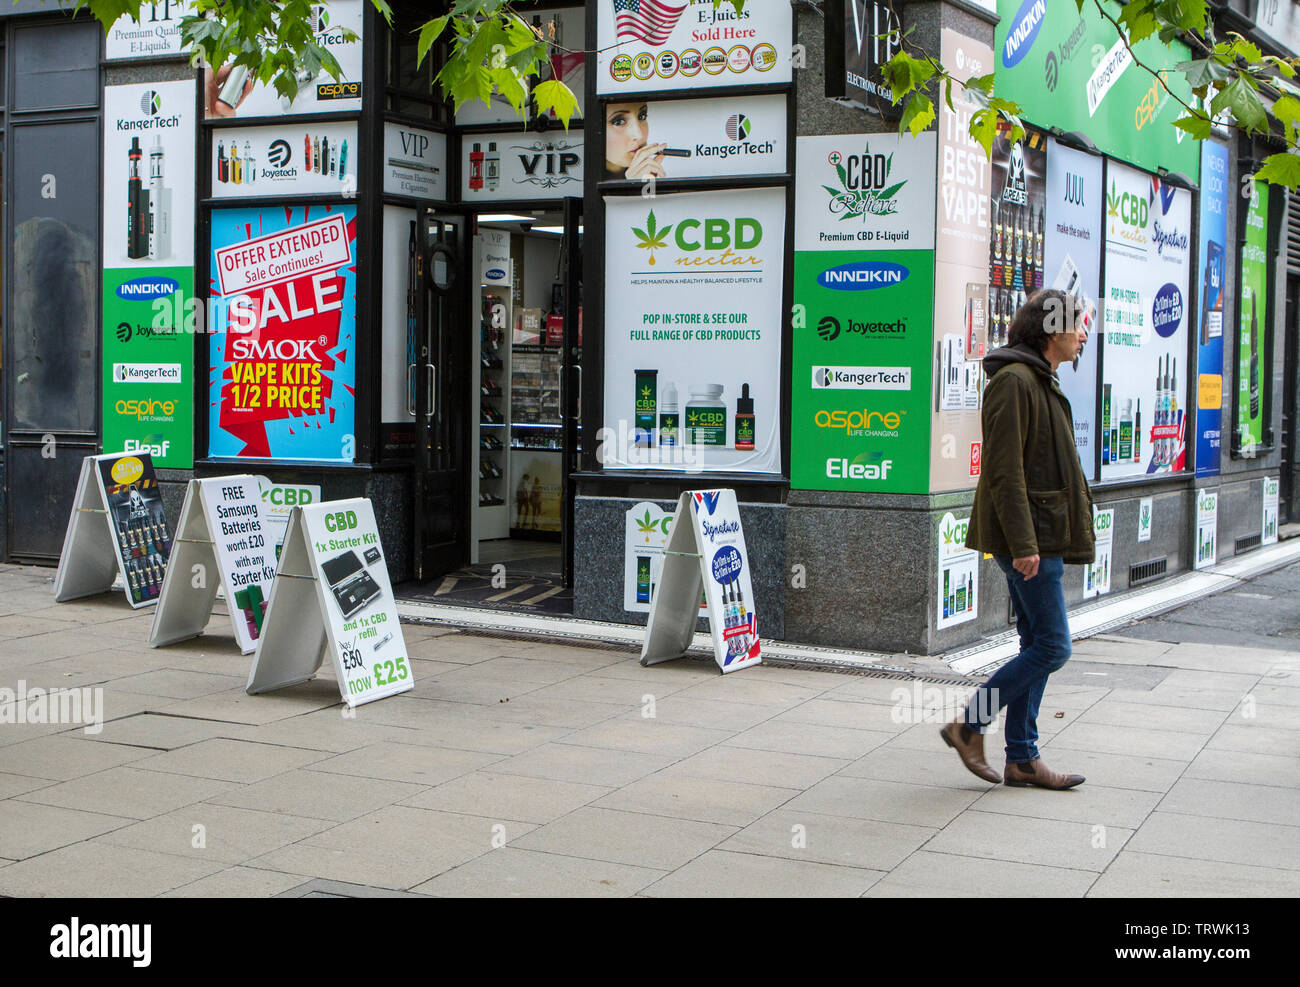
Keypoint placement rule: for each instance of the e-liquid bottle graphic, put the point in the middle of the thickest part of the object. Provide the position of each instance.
(643, 579)
(947, 606)
(160, 205)
(744, 420)
(492, 167)
(137, 198)
(669, 417)
(1038, 251)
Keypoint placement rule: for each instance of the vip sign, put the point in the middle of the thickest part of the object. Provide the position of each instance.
(1096, 577)
(156, 33)
(415, 162)
(959, 574)
(872, 37)
(506, 166)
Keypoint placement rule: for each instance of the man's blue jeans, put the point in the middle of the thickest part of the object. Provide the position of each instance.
(1044, 647)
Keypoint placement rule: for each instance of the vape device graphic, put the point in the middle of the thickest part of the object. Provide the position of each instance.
(1254, 360)
(234, 86)
(137, 198)
(160, 205)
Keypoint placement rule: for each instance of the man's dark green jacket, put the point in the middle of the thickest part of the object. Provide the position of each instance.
(1032, 498)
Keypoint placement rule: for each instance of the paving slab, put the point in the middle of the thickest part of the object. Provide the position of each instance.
(727, 803)
(635, 732)
(238, 882)
(28, 828)
(1227, 840)
(100, 870)
(129, 791)
(784, 736)
(503, 796)
(64, 757)
(1280, 770)
(1156, 875)
(318, 795)
(512, 872)
(657, 842)
(1029, 840)
(868, 844)
(1088, 803)
(929, 874)
(175, 683)
(412, 763)
(163, 732)
(588, 765)
(1234, 800)
(754, 767)
(726, 874)
(205, 831)
(886, 801)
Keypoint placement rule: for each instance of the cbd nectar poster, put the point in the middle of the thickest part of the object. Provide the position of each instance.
(282, 355)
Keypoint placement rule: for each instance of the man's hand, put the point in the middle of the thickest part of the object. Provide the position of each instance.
(1027, 566)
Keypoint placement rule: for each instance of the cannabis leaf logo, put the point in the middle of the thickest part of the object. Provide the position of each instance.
(1112, 201)
(851, 203)
(646, 526)
(652, 238)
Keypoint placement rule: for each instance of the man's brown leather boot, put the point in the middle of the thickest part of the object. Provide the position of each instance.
(969, 745)
(1037, 773)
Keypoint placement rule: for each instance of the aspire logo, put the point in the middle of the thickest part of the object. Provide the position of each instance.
(864, 422)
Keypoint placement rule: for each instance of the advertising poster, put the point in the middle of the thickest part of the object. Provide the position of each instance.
(1096, 577)
(535, 482)
(231, 90)
(1072, 263)
(871, 39)
(156, 34)
(959, 574)
(646, 530)
(1209, 344)
(135, 512)
(693, 302)
(962, 325)
(863, 304)
(244, 548)
(695, 138)
(1146, 515)
(312, 159)
(1207, 528)
(506, 166)
(1146, 310)
(148, 243)
(566, 30)
(1253, 321)
(1073, 70)
(1268, 523)
(415, 162)
(278, 501)
(283, 374)
(654, 45)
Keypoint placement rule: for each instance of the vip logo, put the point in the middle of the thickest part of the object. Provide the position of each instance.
(279, 153)
(1052, 72)
(150, 103)
(829, 328)
(738, 126)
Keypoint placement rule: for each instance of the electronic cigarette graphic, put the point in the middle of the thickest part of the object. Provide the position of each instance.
(306, 138)
(343, 161)
(492, 167)
(315, 155)
(223, 173)
(334, 160)
(250, 165)
(1205, 302)
(236, 167)
(676, 152)
(1254, 360)
(160, 205)
(476, 167)
(234, 86)
(137, 198)
(324, 155)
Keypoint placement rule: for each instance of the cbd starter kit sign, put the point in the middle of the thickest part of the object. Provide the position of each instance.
(148, 242)
(283, 354)
(332, 591)
(863, 295)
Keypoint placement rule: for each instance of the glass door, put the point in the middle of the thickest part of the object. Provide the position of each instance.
(441, 374)
(571, 373)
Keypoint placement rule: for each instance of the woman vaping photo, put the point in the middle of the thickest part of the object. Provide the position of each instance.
(628, 152)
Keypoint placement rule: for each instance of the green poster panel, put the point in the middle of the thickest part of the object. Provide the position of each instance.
(1071, 70)
(1252, 319)
(147, 359)
(861, 370)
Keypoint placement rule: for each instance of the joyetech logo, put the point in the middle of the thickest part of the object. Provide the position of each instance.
(150, 103)
(738, 126)
(124, 332)
(279, 153)
(1051, 77)
(829, 328)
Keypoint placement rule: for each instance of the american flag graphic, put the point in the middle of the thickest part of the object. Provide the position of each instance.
(651, 21)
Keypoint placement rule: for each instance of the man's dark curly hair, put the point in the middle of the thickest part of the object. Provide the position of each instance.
(1045, 314)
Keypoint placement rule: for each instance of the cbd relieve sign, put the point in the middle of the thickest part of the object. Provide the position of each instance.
(317, 247)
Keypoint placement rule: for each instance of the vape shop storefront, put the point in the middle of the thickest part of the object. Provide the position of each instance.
(523, 342)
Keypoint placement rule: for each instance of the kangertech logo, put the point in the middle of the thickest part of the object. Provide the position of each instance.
(102, 942)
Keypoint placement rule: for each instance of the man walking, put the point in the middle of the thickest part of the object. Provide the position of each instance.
(1033, 514)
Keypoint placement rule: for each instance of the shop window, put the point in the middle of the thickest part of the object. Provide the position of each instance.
(56, 65)
(410, 86)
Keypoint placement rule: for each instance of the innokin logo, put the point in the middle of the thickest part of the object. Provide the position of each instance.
(1025, 25)
(146, 288)
(865, 275)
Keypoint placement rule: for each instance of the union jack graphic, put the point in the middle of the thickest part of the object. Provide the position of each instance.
(651, 21)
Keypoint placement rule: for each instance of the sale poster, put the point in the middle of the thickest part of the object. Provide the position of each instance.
(282, 373)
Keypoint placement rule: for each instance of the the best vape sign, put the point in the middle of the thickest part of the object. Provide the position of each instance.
(315, 248)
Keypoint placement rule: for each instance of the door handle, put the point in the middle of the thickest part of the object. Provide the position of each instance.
(433, 388)
(410, 389)
(577, 416)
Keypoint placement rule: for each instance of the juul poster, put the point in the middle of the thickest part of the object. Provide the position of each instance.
(282, 354)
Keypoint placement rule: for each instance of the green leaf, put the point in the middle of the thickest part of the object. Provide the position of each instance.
(1280, 169)
(917, 114)
(984, 128)
(1204, 72)
(1242, 101)
(555, 95)
(429, 33)
(1198, 126)
(1245, 49)
(892, 191)
(640, 233)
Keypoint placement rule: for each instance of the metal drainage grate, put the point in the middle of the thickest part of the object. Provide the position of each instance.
(1145, 572)
(1246, 544)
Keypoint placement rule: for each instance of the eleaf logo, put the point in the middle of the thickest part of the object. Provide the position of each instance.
(155, 445)
(829, 328)
(863, 378)
(279, 153)
(146, 288)
(102, 942)
(863, 276)
(864, 186)
(865, 466)
(1025, 25)
(150, 103)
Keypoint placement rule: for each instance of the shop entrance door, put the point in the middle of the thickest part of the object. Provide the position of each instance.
(439, 372)
(571, 391)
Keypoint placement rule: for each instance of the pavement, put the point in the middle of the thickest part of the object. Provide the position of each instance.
(525, 767)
